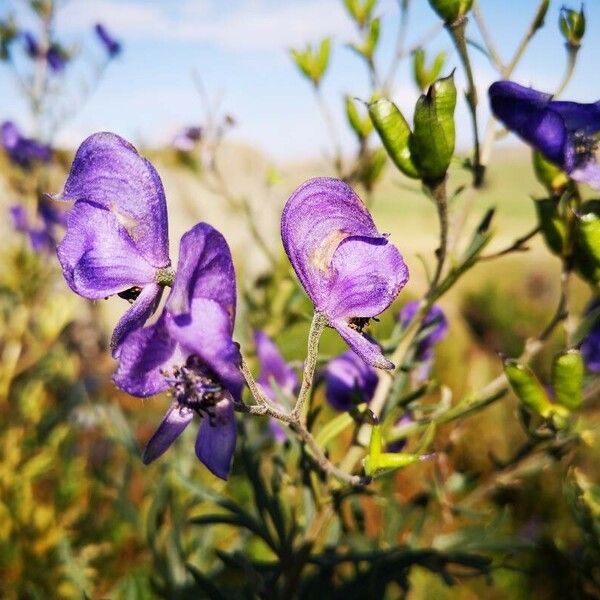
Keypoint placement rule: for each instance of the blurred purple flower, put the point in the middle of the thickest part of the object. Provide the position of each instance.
(564, 132)
(117, 233)
(187, 139)
(590, 347)
(55, 56)
(274, 373)
(190, 351)
(43, 236)
(433, 330)
(32, 47)
(22, 150)
(398, 446)
(112, 46)
(348, 269)
(349, 380)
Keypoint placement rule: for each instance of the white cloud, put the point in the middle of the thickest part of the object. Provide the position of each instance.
(256, 25)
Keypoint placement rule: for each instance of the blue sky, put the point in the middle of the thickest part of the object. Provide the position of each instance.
(239, 48)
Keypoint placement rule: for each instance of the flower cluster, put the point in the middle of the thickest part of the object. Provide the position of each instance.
(117, 243)
(21, 150)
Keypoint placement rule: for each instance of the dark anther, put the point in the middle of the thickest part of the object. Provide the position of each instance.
(359, 323)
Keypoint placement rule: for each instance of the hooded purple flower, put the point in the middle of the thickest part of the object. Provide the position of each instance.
(348, 269)
(42, 237)
(190, 351)
(187, 139)
(433, 330)
(274, 373)
(117, 235)
(590, 347)
(349, 381)
(113, 47)
(564, 132)
(21, 150)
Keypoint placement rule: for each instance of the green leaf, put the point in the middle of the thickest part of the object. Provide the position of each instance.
(552, 226)
(549, 175)
(567, 379)
(432, 141)
(395, 135)
(424, 76)
(362, 127)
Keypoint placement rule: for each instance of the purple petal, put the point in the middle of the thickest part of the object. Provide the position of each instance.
(145, 355)
(435, 318)
(588, 172)
(527, 113)
(369, 351)
(215, 443)
(348, 378)
(109, 173)
(277, 430)
(590, 347)
(579, 116)
(19, 218)
(175, 421)
(204, 270)
(113, 48)
(206, 332)
(97, 255)
(367, 275)
(137, 315)
(273, 367)
(319, 215)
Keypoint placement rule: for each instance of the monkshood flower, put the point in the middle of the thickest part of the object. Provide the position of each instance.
(349, 381)
(276, 376)
(55, 56)
(117, 234)
(190, 352)
(22, 150)
(42, 237)
(348, 269)
(112, 46)
(187, 139)
(436, 325)
(590, 347)
(564, 132)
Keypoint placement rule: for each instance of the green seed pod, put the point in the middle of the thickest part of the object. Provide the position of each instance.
(395, 134)
(451, 10)
(572, 26)
(552, 226)
(587, 242)
(527, 388)
(432, 142)
(549, 175)
(362, 127)
(567, 379)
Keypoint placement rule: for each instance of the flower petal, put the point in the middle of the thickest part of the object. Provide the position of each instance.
(137, 315)
(206, 332)
(369, 351)
(108, 173)
(97, 256)
(368, 274)
(588, 172)
(579, 116)
(528, 113)
(215, 443)
(175, 421)
(317, 217)
(204, 270)
(144, 355)
(348, 377)
(273, 367)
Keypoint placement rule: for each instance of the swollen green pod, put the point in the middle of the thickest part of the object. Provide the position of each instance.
(395, 135)
(567, 379)
(527, 388)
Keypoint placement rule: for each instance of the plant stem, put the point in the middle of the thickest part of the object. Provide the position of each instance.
(516, 246)
(457, 31)
(571, 62)
(438, 191)
(314, 335)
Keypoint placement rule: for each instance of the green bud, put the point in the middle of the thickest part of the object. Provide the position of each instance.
(587, 242)
(567, 379)
(313, 61)
(432, 142)
(552, 226)
(367, 48)
(361, 127)
(527, 388)
(395, 134)
(451, 10)
(540, 16)
(572, 26)
(424, 76)
(549, 175)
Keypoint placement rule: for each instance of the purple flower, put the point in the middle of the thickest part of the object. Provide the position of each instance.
(398, 446)
(21, 150)
(590, 347)
(42, 237)
(349, 381)
(117, 235)
(275, 374)
(564, 132)
(32, 48)
(190, 352)
(187, 139)
(56, 57)
(113, 47)
(348, 269)
(433, 330)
